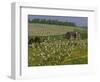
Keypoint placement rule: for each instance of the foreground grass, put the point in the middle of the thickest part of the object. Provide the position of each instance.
(58, 52)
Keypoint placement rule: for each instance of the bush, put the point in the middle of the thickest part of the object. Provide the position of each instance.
(30, 41)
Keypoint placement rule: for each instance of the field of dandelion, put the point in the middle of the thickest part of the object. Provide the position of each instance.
(55, 49)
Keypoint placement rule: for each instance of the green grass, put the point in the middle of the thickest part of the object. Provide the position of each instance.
(58, 53)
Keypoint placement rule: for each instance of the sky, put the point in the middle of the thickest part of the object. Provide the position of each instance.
(79, 21)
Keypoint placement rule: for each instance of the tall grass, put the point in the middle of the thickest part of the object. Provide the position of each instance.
(58, 52)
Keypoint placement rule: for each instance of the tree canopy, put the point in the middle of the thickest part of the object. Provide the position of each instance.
(53, 22)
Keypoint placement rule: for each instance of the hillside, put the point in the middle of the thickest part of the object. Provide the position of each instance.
(47, 29)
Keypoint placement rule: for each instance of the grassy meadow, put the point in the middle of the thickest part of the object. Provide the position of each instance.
(54, 48)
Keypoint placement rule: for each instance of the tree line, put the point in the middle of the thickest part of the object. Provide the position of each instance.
(52, 22)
